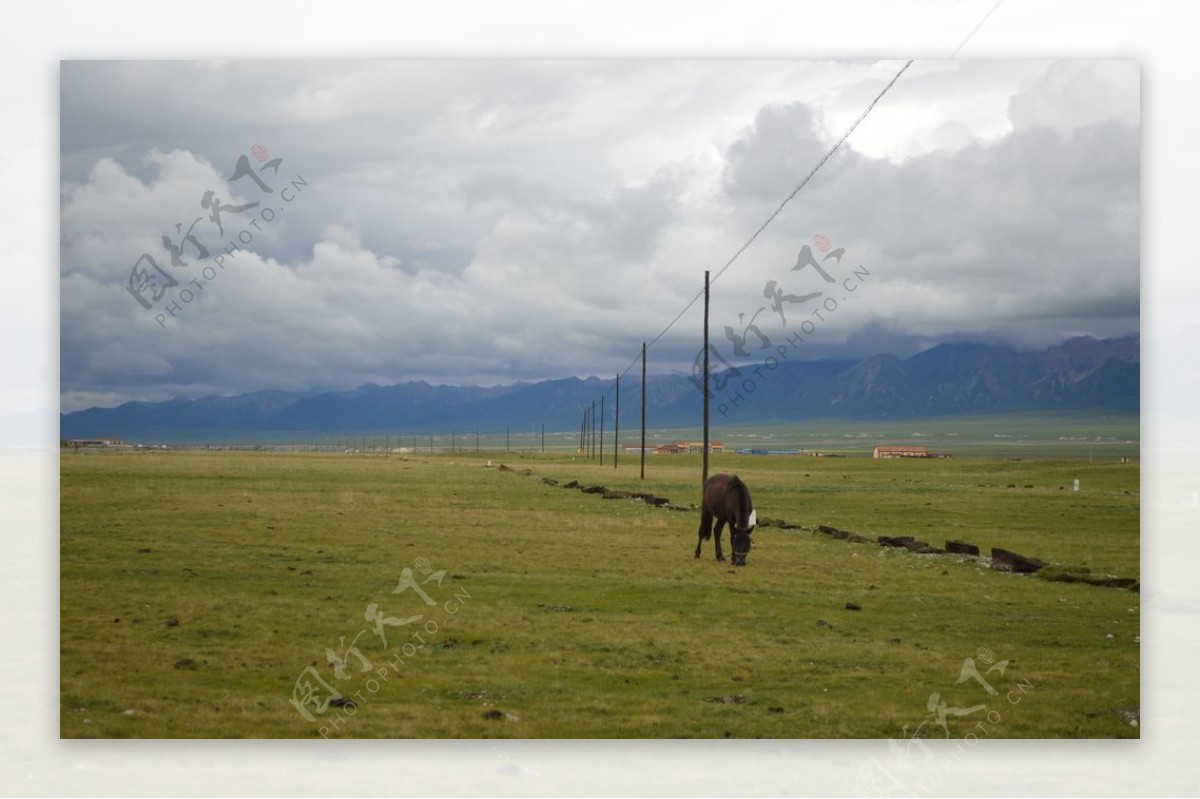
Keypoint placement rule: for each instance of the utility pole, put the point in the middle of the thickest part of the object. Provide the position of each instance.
(601, 450)
(643, 475)
(617, 423)
(704, 478)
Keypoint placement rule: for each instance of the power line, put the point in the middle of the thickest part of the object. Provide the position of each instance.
(975, 30)
(814, 171)
(786, 200)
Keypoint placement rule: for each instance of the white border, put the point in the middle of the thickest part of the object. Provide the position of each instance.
(1159, 34)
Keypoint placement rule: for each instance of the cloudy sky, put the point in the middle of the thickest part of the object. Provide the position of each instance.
(492, 221)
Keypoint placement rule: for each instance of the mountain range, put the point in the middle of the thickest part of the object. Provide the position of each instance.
(945, 380)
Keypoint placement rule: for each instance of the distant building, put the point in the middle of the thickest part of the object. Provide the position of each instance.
(714, 447)
(677, 448)
(79, 443)
(897, 451)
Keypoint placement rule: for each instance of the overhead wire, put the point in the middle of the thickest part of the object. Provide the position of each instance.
(829, 154)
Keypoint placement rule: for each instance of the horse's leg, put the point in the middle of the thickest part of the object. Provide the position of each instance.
(717, 537)
(705, 529)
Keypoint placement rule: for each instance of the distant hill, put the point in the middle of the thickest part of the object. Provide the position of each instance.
(945, 380)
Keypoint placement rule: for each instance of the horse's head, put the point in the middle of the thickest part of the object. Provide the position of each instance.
(741, 544)
(739, 537)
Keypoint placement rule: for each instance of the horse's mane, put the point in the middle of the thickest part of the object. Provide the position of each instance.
(743, 498)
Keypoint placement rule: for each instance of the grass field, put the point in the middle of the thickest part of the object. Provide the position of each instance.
(197, 588)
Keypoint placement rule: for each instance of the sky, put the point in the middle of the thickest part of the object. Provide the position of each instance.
(491, 221)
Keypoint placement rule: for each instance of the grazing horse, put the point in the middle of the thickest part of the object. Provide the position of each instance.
(727, 499)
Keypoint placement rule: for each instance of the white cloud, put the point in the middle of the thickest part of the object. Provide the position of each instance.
(494, 221)
(1075, 93)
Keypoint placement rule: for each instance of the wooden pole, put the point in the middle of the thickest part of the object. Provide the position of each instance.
(704, 477)
(600, 451)
(643, 474)
(617, 423)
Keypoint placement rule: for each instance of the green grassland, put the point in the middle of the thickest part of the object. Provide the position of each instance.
(562, 614)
